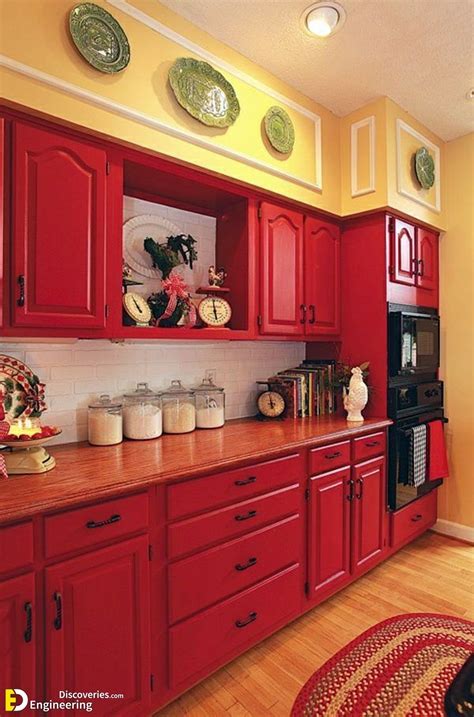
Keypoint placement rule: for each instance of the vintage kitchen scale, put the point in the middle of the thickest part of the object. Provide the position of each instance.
(21, 405)
(214, 310)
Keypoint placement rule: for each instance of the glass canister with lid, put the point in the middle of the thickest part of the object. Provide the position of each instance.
(210, 405)
(104, 421)
(179, 409)
(142, 415)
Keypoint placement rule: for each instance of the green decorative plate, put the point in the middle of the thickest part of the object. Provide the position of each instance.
(279, 129)
(204, 92)
(99, 38)
(424, 168)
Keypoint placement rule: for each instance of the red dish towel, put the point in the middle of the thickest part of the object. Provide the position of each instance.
(437, 456)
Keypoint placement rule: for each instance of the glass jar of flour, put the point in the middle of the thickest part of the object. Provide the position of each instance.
(210, 405)
(105, 422)
(179, 409)
(142, 414)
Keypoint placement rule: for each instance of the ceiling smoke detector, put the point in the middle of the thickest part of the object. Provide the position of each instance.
(323, 18)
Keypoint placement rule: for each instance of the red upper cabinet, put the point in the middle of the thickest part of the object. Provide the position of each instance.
(369, 518)
(97, 626)
(322, 241)
(281, 277)
(59, 209)
(403, 251)
(18, 628)
(427, 259)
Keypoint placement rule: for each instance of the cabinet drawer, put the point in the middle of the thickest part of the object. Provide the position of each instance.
(83, 527)
(202, 494)
(215, 634)
(16, 546)
(204, 579)
(327, 458)
(415, 518)
(368, 446)
(220, 525)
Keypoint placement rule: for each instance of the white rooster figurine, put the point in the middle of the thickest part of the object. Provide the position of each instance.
(355, 399)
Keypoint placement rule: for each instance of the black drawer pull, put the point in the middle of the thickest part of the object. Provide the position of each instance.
(250, 514)
(312, 310)
(100, 523)
(303, 314)
(21, 284)
(248, 564)
(360, 481)
(350, 497)
(243, 623)
(247, 481)
(416, 518)
(336, 454)
(58, 620)
(28, 634)
(371, 444)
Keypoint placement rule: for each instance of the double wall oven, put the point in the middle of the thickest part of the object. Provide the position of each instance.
(415, 395)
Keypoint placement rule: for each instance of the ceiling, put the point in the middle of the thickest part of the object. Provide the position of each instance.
(418, 52)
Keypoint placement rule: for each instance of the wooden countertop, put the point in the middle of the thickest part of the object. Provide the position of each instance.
(85, 472)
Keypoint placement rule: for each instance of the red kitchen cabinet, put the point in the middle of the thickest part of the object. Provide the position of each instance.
(18, 627)
(368, 537)
(97, 626)
(403, 253)
(413, 267)
(282, 290)
(58, 229)
(427, 258)
(329, 531)
(322, 242)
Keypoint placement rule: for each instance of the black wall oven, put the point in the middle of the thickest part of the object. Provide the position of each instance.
(413, 342)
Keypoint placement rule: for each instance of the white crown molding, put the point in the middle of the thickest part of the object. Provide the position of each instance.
(404, 127)
(125, 7)
(454, 530)
(369, 122)
(135, 115)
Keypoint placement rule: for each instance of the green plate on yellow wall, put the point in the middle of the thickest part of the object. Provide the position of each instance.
(204, 92)
(424, 168)
(99, 38)
(279, 129)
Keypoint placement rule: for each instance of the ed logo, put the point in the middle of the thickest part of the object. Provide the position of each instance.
(15, 700)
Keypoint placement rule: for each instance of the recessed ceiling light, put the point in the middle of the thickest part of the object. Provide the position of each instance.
(323, 18)
(470, 94)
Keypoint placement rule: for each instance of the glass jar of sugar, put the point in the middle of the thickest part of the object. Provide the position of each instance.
(105, 422)
(179, 409)
(142, 415)
(210, 405)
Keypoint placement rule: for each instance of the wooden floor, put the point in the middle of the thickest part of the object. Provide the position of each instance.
(433, 574)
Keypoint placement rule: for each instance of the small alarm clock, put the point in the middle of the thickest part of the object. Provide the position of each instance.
(271, 404)
(215, 311)
(136, 310)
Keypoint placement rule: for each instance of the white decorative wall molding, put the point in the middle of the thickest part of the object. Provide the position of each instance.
(454, 530)
(126, 7)
(416, 196)
(369, 122)
(148, 120)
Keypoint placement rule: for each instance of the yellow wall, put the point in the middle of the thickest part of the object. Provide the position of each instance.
(42, 42)
(456, 502)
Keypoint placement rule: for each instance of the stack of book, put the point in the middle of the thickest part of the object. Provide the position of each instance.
(308, 389)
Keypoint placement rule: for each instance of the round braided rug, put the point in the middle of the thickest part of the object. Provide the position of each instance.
(401, 667)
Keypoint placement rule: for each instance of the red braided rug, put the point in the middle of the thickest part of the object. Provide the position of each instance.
(401, 667)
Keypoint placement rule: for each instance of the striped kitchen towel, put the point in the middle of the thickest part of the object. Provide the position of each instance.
(417, 455)
(4, 429)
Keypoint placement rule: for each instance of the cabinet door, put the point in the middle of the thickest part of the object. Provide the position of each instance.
(427, 259)
(329, 532)
(369, 515)
(18, 628)
(403, 250)
(58, 231)
(97, 627)
(322, 276)
(281, 271)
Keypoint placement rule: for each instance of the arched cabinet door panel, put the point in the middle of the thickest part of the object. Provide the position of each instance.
(322, 276)
(59, 205)
(427, 253)
(281, 262)
(403, 250)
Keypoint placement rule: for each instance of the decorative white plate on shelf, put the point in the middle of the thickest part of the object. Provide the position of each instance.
(135, 231)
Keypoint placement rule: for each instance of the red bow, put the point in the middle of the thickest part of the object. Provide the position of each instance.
(176, 288)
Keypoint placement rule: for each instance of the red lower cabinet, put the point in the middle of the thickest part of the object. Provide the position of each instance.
(368, 538)
(18, 628)
(329, 531)
(98, 629)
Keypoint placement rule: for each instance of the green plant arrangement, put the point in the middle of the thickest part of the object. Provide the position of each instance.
(177, 250)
